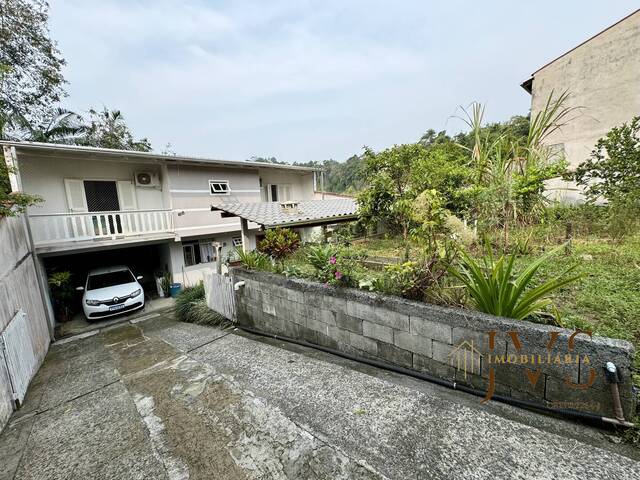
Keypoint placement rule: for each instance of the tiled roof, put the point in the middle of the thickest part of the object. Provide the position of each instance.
(272, 214)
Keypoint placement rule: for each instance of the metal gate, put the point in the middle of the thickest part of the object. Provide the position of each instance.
(219, 294)
(19, 355)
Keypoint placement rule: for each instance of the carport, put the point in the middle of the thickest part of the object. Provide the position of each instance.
(147, 260)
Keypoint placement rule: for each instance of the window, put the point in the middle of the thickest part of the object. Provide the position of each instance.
(278, 193)
(191, 253)
(104, 280)
(219, 187)
(207, 252)
(237, 242)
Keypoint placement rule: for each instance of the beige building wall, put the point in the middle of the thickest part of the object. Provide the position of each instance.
(603, 79)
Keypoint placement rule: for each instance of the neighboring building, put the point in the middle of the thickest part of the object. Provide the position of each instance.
(148, 211)
(602, 76)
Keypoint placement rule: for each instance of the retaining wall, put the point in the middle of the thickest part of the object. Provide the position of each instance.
(539, 363)
(19, 290)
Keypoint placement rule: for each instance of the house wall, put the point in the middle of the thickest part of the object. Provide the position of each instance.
(301, 182)
(190, 196)
(191, 275)
(44, 176)
(17, 272)
(603, 78)
(427, 338)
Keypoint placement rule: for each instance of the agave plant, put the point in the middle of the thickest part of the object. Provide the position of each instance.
(495, 287)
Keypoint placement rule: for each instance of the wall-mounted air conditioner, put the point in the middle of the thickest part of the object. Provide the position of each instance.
(147, 179)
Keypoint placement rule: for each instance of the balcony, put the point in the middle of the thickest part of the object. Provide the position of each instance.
(62, 231)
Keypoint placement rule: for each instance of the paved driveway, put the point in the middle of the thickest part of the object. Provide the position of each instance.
(161, 399)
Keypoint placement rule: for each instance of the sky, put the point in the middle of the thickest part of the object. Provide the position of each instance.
(310, 80)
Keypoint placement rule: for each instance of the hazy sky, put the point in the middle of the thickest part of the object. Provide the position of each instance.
(303, 80)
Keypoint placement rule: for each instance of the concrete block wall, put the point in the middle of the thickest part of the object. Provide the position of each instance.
(434, 340)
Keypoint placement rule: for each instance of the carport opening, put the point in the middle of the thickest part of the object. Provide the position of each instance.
(147, 260)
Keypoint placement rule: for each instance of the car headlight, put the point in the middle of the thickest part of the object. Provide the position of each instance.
(136, 293)
(93, 303)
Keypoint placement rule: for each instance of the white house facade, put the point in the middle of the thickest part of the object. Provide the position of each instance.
(152, 212)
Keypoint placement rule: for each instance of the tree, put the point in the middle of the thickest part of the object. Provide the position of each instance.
(58, 126)
(390, 186)
(266, 160)
(445, 169)
(613, 170)
(510, 169)
(31, 79)
(107, 129)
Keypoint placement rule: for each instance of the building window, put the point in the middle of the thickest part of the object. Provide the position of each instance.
(191, 253)
(219, 187)
(237, 242)
(278, 193)
(207, 252)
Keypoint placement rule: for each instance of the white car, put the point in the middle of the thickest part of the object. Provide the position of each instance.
(111, 291)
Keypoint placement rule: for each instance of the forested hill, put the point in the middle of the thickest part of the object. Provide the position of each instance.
(348, 176)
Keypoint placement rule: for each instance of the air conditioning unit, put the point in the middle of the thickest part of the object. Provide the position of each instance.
(147, 179)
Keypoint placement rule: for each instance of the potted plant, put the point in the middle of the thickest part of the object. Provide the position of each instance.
(62, 293)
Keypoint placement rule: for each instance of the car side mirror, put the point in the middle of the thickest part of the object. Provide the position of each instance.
(80, 289)
(139, 277)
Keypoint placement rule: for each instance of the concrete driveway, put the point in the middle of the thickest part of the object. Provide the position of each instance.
(161, 399)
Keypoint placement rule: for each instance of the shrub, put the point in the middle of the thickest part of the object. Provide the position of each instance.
(279, 243)
(13, 203)
(318, 255)
(494, 287)
(62, 294)
(331, 267)
(191, 307)
(254, 260)
(459, 231)
(613, 170)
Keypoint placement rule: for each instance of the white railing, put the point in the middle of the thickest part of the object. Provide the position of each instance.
(65, 227)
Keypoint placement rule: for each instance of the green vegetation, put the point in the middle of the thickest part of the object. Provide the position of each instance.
(31, 88)
(279, 243)
(62, 293)
(495, 288)
(191, 307)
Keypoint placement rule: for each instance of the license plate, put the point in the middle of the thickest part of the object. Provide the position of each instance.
(116, 307)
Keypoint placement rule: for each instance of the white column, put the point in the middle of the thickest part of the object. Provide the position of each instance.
(244, 230)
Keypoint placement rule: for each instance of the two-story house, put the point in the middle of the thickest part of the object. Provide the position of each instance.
(152, 212)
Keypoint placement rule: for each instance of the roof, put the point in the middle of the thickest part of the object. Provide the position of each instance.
(527, 84)
(273, 214)
(133, 154)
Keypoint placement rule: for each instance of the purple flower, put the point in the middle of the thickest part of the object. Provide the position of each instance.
(338, 275)
(333, 260)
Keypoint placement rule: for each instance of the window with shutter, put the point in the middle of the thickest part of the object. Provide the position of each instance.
(126, 195)
(76, 198)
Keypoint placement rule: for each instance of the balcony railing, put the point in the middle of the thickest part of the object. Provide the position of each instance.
(65, 227)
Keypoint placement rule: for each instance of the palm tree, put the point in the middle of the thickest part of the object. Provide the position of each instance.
(60, 126)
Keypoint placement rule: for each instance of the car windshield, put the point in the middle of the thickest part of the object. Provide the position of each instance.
(104, 280)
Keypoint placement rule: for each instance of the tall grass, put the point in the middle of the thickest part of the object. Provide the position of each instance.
(191, 307)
